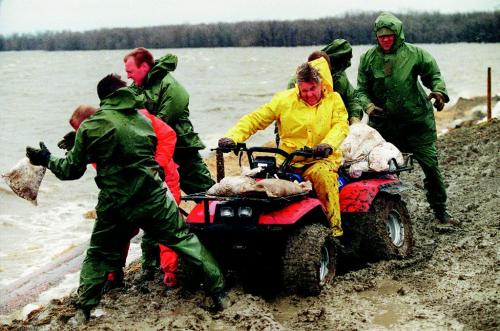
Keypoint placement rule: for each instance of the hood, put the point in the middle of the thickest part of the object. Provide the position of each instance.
(389, 21)
(338, 50)
(121, 99)
(162, 66)
(324, 71)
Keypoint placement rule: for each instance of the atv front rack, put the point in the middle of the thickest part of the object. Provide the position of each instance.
(197, 197)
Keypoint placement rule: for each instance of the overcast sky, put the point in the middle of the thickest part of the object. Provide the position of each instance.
(30, 16)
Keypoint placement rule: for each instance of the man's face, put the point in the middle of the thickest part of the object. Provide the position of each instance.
(310, 92)
(136, 73)
(386, 41)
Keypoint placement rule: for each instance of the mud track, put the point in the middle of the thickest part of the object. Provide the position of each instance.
(450, 282)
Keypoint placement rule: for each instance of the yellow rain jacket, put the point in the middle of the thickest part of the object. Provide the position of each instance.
(299, 125)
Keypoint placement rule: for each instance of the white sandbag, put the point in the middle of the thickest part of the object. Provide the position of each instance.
(245, 186)
(357, 169)
(24, 179)
(379, 157)
(359, 143)
(274, 188)
(231, 186)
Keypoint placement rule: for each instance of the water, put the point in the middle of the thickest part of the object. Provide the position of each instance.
(39, 90)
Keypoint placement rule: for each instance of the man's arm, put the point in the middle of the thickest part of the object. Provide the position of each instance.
(431, 75)
(339, 125)
(363, 83)
(72, 166)
(173, 101)
(253, 122)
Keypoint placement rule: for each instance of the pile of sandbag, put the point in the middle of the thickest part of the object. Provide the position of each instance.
(364, 150)
(231, 186)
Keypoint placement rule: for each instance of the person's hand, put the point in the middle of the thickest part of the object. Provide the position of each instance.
(38, 157)
(375, 111)
(226, 143)
(68, 141)
(354, 120)
(438, 100)
(322, 150)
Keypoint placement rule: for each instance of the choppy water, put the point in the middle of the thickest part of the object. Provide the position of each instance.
(39, 90)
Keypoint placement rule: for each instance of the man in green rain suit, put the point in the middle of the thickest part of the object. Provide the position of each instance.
(338, 54)
(122, 143)
(397, 105)
(166, 98)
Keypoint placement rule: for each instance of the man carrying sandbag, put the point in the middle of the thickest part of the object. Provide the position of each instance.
(122, 143)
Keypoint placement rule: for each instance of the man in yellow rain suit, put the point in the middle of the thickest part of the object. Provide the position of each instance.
(310, 114)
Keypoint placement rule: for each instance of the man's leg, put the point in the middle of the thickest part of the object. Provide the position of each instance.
(150, 257)
(168, 227)
(323, 175)
(193, 172)
(103, 256)
(426, 156)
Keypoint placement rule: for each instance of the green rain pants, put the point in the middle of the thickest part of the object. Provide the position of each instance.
(194, 178)
(426, 156)
(158, 216)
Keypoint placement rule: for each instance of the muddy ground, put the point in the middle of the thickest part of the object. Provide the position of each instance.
(450, 282)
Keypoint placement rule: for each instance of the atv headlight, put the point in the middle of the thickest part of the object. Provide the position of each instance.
(226, 212)
(245, 212)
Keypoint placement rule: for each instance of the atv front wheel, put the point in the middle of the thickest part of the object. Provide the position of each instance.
(309, 260)
(388, 231)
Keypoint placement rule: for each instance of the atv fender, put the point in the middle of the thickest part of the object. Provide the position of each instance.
(357, 197)
(292, 213)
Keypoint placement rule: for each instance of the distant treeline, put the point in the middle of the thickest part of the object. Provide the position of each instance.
(357, 28)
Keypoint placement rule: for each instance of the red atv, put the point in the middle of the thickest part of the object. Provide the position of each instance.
(288, 239)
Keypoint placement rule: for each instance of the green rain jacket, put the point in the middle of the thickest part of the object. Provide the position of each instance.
(122, 143)
(166, 98)
(390, 81)
(338, 49)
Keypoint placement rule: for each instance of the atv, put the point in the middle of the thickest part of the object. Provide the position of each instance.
(288, 239)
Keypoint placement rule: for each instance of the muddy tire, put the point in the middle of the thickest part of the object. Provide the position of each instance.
(309, 261)
(387, 230)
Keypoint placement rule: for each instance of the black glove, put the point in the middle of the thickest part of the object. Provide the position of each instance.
(68, 141)
(438, 100)
(322, 150)
(374, 111)
(226, 143)
(38, 157)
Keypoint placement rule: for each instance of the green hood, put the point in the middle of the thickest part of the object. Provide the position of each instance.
(162, 66)
(121, 99)
(338, 49)
(387, 20)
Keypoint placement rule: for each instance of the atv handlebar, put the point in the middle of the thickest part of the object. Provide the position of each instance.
(240, 148)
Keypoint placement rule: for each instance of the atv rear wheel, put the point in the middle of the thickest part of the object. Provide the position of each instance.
(388, 231)
(309, 261)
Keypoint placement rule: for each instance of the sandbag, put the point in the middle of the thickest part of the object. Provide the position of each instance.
(24, 179)
(379, 157)
(275, 188)
(231, 186)
(245, 186)
(359, 143)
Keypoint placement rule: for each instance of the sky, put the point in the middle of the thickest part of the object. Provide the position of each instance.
(32, 16)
